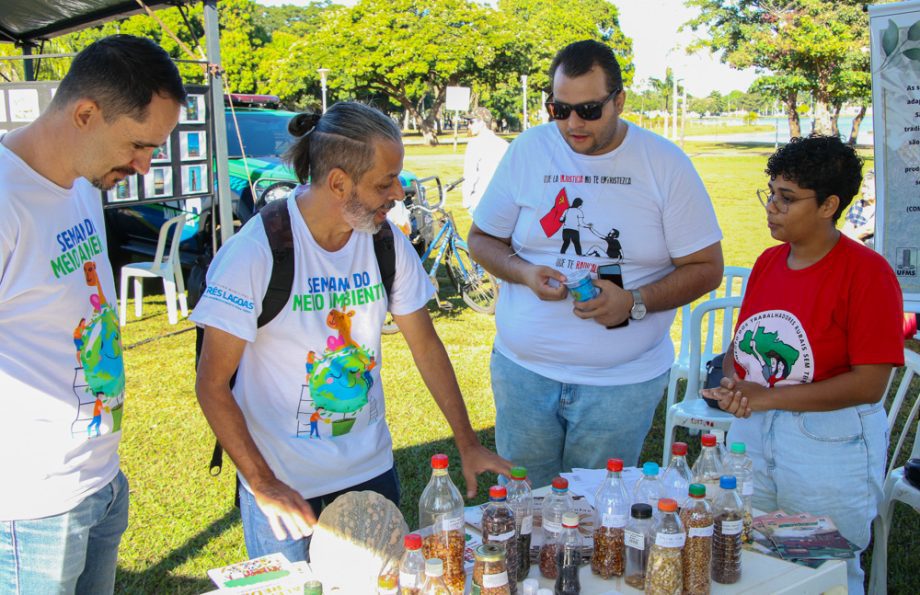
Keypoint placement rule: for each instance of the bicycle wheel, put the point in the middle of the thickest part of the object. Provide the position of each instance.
(477, 286)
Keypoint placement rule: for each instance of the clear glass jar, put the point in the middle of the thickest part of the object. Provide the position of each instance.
(412, 566)
(708, 466)
(568, 556)
(664, 575)
(728, 517)
(696, 516)
(557, 503)
(440, 515)
(520, 498)
(677, 478)
(490, 572)
(612, 506)
(638, 538)
(739, 464)
(498, 528)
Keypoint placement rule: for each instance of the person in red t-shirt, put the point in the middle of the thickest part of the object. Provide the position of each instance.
(819, 331)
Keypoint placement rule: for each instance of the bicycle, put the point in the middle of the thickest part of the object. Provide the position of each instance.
(477, 287)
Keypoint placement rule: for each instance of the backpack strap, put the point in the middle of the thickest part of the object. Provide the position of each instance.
(277, 222)
(385, 251)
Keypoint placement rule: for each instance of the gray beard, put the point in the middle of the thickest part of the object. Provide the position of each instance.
(358, 217)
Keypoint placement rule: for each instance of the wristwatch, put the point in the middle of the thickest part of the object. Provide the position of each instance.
(638, 310)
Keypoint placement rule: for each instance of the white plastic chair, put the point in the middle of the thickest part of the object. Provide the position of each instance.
(692, 411)
(166, 267)
(896, 488)
(734, 283)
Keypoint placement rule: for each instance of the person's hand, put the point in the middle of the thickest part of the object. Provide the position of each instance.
(287, 512)
(609, 308)
(479, 459)
(546, 282)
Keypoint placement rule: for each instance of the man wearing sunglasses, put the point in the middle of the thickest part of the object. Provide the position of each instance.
(573, 384)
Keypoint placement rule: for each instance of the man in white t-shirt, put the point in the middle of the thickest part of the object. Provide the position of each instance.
(64, 502)
(576, 383)
(319, 359)
(483, 154)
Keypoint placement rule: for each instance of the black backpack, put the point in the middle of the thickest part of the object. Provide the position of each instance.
(277, 222)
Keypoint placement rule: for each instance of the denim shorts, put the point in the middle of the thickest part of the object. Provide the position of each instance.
(260, 539)
(72, 552)
(551, 427)
(823, 463)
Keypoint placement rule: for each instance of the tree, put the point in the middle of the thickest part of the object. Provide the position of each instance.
(809, 45)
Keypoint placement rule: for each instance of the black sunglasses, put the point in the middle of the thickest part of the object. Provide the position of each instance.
(590, 110)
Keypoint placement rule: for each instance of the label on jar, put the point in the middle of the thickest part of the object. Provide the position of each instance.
(492, 581)
(452, 524)
(670, 539)
(634, 540)
(700, 531)
(527, 525)
(502, 536)
(747, 488)
(614, 521)
(409, 579)
(551, 526)
(732, 527)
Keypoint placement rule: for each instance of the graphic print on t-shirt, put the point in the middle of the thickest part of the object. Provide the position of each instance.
(773, 349)
(338, 381)
(571, 219)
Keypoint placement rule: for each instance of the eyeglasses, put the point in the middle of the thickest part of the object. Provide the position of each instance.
(779, 201)
(590, 110)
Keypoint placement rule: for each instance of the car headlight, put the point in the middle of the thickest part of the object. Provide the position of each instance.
(273, 192)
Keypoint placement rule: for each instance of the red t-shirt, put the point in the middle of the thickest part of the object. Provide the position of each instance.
(798, 326)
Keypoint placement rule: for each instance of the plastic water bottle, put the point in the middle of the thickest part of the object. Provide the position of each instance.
(434, 578)
(568, 557)
(440, 516)
(708, 467)
(696, 517)
(739, 464)
(498, 528)
(388, 579)
(677, 478)
(664, 575)
(412, 565)
(648, 489)
(520, 498)
(556, 504)
(612, 505)
(728, 525)
(639, 538)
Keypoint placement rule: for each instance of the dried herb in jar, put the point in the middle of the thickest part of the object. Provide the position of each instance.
(490, 573)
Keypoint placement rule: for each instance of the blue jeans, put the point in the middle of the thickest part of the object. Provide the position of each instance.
(826, 464)
(260, 540)
(550, 427)
(72, 552)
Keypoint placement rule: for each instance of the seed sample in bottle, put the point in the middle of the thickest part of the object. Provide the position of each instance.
(490, 573)
(696, 517)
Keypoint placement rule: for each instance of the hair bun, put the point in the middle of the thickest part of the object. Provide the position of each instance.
(301, 124)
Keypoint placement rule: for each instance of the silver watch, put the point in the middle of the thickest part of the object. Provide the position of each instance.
(638, 310)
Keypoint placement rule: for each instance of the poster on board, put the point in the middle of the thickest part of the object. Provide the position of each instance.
(895, 42)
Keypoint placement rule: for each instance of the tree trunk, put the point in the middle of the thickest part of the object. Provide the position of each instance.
(792, 113)
(854, 131)
(823, 117)
(835, 119)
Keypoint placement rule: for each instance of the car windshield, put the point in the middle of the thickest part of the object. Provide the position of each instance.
(264, 133)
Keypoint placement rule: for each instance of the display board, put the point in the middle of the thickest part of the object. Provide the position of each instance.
(895, 35)
(21, 103)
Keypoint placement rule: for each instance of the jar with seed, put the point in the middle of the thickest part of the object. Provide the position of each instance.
(498, 528)
(665, 573)
(612, 505)
(638, 540)
(726, 539)
(696, 516)
(490, 573)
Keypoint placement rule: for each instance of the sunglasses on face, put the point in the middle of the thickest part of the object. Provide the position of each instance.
(590, 110)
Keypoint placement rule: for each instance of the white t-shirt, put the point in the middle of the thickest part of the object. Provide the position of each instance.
(308, 382)
(62, 374)
(483, 154)
(641, 205)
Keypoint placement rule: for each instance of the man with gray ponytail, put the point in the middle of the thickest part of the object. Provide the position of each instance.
(319, 359)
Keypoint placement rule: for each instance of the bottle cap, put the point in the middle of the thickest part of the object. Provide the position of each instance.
(545, 591)
(439, 461)
(728, 482)
(530, 586)
(614, 464)
(498, 493)
(490, 552)
(641, 510)
(570, 519)
(738, 448)
(412, 541)
(697, 490)
(313, 588)
(560, 484)
(667, 505)
(679, 448)
(650, 468)
(434, 567)
(519, 473)
(708, 440)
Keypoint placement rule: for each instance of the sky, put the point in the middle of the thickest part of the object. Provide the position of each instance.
(652, 25)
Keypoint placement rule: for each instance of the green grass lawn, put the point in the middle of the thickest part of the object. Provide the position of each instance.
(182, 519)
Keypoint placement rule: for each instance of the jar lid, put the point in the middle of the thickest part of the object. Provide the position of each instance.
(570, 519)
(728, 482)
(614, 464)
(679, 448)
(738, 448)
(697, 490)
(434, 567)
(412, 541)
(641, 510)
(439, 461)
(708, 440)
(313, 588)
(498, 493)
(667, 505)
(560, 483)
(490, 552)
(519, 473)
(650, 468)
